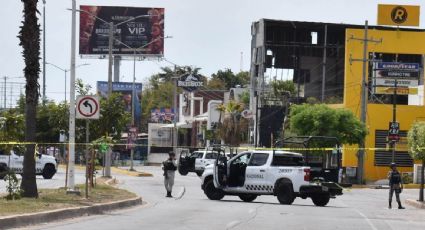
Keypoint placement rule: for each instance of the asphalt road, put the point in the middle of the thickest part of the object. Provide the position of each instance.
(356, 209)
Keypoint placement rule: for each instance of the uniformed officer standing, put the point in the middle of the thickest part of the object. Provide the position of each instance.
(396, 185)
(169, 167)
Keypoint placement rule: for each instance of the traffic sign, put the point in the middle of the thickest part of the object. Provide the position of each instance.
(88, 107)
(393, 131)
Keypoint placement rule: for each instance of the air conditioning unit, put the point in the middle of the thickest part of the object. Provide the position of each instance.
(417, 173)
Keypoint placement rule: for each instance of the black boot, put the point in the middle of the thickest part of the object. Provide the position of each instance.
(169, 194)
(389, 205)
(399, 205)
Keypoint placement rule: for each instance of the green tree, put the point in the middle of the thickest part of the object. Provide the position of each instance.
(283, 87)
(230, 79)
(321, 120)
(113, 118)
(29, 37)
(12, 125)
(416, 145)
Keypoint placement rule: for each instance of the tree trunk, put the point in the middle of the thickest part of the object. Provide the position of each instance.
(421, 190)
(30, 41)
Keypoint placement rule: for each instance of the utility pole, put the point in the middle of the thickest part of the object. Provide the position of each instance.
(71, 167)
(363, 98)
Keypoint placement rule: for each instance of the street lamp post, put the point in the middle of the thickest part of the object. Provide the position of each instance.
(65, 71)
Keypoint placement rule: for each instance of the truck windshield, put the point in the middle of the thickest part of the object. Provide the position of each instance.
(285, 160)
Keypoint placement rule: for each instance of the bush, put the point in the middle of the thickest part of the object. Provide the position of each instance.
(13, 186)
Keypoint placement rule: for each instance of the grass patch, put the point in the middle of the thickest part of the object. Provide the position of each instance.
(50, 199)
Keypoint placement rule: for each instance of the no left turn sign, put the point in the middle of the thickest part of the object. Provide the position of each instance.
(87, 107)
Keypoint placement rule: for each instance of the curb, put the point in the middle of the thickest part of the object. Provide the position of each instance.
(62, 214)
(131, 173)
(415, 203)
(121, 171)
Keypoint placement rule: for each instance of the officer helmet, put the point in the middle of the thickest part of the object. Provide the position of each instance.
(393, 165)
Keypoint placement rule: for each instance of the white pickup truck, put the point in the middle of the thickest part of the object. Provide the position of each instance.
(265, 172)
(45, 165)
(196, 161)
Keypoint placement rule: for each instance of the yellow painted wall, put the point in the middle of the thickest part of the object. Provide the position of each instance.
(378, 115)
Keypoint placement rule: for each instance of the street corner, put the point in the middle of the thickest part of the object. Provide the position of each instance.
(131, 173)
(415, 203)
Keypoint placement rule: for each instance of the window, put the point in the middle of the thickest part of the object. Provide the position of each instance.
(285, 160)
(242, 159)
(259, 159)
(211, 155)
(197, 154)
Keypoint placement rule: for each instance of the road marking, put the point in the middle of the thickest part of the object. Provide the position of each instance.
(232, 224)
(367, 219)
(181, 193)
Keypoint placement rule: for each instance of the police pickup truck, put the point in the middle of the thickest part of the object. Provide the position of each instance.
(45, 165)
(266, 172)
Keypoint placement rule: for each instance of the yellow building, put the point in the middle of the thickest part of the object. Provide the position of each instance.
(410, 45)
(320, 59)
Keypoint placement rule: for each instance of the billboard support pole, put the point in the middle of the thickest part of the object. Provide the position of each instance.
(132, 113)
(111, 37)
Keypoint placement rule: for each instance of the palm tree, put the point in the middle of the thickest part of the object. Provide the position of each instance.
(229, 127)
(29, 37)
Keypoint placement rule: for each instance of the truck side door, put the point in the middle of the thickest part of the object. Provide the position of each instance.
(257, 173)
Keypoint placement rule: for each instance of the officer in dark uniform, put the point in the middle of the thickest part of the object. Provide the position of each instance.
(169, 166)
(396, 185)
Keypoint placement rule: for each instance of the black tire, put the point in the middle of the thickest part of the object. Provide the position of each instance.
(212, 192)
(248, 197)
(321, 200)
(48, 171)
(285, 193)
(199, 173)
(183, 172)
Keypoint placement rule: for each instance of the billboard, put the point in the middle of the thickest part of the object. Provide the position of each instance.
(387, 74)
(125, 88)
(190, 82)
(145, 33)
(398, 15)
(162, 115)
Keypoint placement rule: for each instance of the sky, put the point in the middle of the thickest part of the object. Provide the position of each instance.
(210, 35)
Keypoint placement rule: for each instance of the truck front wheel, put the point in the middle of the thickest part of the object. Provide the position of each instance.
(285, 193)
(321, 200)
(212, 192)
(48, 171)
(183, 172)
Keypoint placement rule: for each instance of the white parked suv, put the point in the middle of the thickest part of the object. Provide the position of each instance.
(266, 172)
(45, 165)
(196, 161)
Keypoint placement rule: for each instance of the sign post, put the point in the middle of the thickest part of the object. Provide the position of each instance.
(88, 107)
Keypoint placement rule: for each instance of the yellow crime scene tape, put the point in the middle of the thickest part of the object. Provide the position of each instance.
(191, 147)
